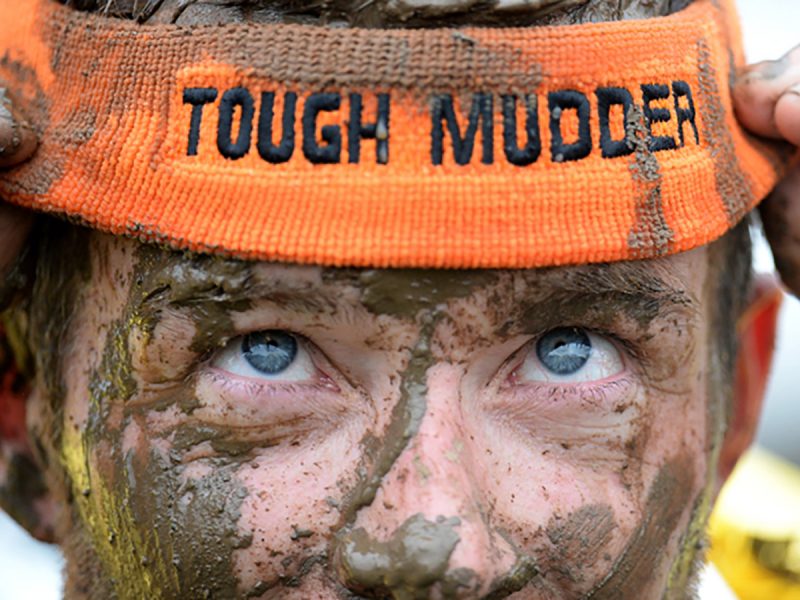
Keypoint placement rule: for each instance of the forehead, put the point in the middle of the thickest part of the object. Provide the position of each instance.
(395, 291)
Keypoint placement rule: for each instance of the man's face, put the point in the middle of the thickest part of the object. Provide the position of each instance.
(250, 429)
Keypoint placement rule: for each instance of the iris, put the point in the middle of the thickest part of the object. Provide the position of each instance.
(564, 351)
(270, 352)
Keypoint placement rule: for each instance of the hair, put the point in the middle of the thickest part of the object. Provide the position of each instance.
(377, 13)
(733, 290)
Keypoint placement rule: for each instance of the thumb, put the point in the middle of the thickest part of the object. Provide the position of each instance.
(767, 97)
(18, 140)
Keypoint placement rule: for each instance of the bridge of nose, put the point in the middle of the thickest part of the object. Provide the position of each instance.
(427, 527)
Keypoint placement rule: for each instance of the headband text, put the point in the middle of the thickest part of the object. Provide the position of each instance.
(669, 107)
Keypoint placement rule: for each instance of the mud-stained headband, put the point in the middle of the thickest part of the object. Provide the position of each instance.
(469, 147)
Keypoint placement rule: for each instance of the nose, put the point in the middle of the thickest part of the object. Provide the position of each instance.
(427, 532)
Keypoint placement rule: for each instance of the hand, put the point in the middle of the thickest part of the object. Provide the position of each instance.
(17, 143)
(767, 101)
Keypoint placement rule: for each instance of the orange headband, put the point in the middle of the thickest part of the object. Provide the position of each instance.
(470, 147)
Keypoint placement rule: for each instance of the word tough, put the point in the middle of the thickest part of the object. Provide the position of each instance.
(571, 125)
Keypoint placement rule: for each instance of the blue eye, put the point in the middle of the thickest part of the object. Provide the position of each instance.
(564, 351)
(269, 352)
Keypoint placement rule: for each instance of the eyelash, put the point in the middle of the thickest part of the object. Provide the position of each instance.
(628, 350)
(253, 387)
(579, 389)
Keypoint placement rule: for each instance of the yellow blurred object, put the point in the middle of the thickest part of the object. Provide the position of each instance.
(755, 529)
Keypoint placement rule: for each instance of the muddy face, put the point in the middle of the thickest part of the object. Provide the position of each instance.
(255, 430)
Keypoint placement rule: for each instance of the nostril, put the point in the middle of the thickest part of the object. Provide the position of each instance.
(406, 566)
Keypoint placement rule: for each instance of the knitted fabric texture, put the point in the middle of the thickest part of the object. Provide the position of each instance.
(469, 147)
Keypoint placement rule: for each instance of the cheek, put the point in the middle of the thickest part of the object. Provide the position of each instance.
(160, 527)
(292, 509)
(297, 493)
(261, 510)
(558, 473)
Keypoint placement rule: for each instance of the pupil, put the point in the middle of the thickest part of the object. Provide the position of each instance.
(565, 350)
(270, 352)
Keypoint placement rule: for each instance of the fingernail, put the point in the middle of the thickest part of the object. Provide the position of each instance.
(768, 69)
(794, 90)
(18, 140)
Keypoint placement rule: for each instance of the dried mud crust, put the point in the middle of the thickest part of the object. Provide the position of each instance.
(382, 13)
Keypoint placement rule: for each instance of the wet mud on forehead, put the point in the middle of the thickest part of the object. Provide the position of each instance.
(404, 292)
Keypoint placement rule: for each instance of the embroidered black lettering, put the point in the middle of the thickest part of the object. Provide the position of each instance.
(232, 98)
(681, 89)
(379, 130)
(266, 149)
(331, 134)
(606, 98)
(558, 102)
(650, 93)
(533, 146)
(443, 111)
(198, 98)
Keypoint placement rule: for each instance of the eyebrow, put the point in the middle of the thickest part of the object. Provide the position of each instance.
(641, 291)
(239, 286)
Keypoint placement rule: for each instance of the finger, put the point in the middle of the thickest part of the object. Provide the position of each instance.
(18, 140)
(780, 213)
(758, 89)
(787, 115)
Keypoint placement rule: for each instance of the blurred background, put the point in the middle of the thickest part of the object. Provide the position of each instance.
(31, 571)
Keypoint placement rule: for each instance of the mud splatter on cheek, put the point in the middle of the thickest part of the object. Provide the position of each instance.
(578, 541)
(667, 502)
(157, 532)
(161, 533)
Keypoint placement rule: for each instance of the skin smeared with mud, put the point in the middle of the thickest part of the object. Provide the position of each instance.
(420, 295)
(196, 516)
(395, 565)
(408, 564)
(169, 503)
(666, 502)
(407, 294)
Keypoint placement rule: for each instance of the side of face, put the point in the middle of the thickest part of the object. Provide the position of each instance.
(257, 430)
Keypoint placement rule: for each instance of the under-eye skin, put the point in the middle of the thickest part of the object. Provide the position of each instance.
(594, 391)
(270, 377)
